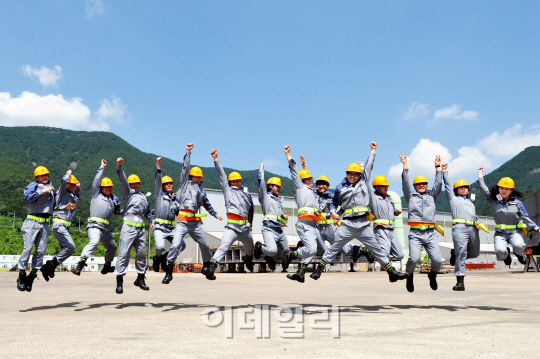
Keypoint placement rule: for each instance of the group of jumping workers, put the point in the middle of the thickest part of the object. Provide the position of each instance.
(357, 209)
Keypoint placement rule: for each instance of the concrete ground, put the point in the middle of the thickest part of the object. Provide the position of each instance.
(498, 316)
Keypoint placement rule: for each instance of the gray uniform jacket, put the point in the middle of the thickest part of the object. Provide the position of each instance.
(166, 207)
(421, 206)
(192, 195)
(64, 197)
(303, 194)
(102, 206)
(237, 200)
(507, 212)
(37, 201)
(135, 202)
(461, 207)
(348, 195)
(270, 203)
(381, 207)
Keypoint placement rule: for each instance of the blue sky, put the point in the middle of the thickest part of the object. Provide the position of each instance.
(460, 79)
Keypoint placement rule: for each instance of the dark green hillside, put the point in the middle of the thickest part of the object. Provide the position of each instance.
(24, 148)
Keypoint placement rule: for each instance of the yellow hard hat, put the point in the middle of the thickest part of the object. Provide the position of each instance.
(323, 179)
(304, 174)
(506, 182)
(106, 182)
(40, 171)
(460, 183)
(134, 179)
(72, 179)
(420, 179)
(234, 176)
(380, 181)
(274, 180)
(196, 171)
(167, 179)
(354, 167)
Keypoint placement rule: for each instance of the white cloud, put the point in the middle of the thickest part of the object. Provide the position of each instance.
(454, 113)
(30, 109)
(417, 110)
(45, 76)
(511, 142)
(270, 162)
(93, 8)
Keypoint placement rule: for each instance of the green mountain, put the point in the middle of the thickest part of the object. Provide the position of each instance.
(524, 169)
(24, 148)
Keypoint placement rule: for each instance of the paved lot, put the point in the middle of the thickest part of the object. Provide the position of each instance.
(82, 317)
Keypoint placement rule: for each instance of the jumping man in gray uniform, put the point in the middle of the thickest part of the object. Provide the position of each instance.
(507, 210)
(133, 232)
(275, 240)
(422, 232)
(464, 232)
(66, 200)
(40, 199)
(166, 210)
(352, 195)
(191, 196)
(308, 215)
(239, 207)
(103, 206)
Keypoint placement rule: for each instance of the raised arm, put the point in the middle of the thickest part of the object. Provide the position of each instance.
(223, 181)
(369, 163)
(297, 182)
(437, 186)
(184, 176)
(62, 190)
(405, 181)
(157, 184)
(96, 185)
(482, 184)
(262, 186)
(449, 191)
(126, 190)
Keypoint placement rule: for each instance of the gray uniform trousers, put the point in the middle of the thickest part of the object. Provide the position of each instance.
(418, 240)
(355, 228)
(62, 233)
(34, 234)
(501, 240)
(161, 234)
(274, 238)
(466, 245)
(96, 235)
(239, 233)
(131, 237)
(311, 240)
(389, 241)
(196, 232)
(328, 233)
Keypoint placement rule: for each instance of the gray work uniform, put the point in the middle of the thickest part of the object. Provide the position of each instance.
(272, 228)
(355, 225)
(36, 233)
(237, 201)
(307, 230)
(382, 207)
(166, 208)
(508, 213)
(191, 196)
(135, 203)
(422, 209)
(465, 236)
(327, 232)
(102, 207)
(60, 230)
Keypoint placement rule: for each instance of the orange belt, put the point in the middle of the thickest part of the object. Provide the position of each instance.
(181, 217)
(312, 216)
(421, 224)
(236, 217)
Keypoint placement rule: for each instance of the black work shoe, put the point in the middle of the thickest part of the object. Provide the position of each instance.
(521, 258)
(284, 271)
(211, 270)
(367, 253)
(317, 272)
(29, 281)
(460, 286)
(79, 268)
(410, 283)
(257, 251)
(119, 284)
(168, 275)
(288, 257)
(156, 262)
(452, 257)
(299, 276)
(271, 262)
(46, 271)
(432, 275)
(355, 253)
(508, 259)
(394, 275)
(21, 281)
(107, 268)
(52, 266)
(163, 262)
(139, 282)
(204, 270)
(248, 261)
